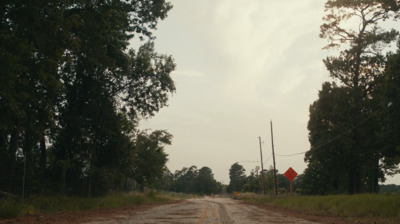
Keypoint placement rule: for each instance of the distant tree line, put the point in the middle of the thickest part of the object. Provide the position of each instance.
(190, 181)
(72, 93)
(253, 183)
(239, 182)
(389, 189)
(354, 126)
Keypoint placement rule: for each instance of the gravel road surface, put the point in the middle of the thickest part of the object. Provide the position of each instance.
(199, 211)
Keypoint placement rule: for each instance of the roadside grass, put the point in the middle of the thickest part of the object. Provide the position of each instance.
(350, 206)
(16, 207)
(10, 208)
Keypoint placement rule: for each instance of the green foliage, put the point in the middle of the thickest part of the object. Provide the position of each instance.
(253, 182)
(270, 180)
(33, 38)
(165, 182)
(387, 96)
(193, 181)
(237, 177)
(204, 182)
(150, 158)
(348, 151)
(68, 80)
(10, 208)
(183, 179)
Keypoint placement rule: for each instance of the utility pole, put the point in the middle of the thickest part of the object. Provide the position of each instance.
(262, 167)
(273, 156)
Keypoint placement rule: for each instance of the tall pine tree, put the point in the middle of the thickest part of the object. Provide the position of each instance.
(354, 28)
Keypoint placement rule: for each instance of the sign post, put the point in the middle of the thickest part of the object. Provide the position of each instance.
(235, 195)
(290, 174)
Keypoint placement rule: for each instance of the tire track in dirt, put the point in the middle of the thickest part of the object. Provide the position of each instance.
(201, 211)
(223, 216)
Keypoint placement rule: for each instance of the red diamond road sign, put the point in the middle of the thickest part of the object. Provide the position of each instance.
(290, 174)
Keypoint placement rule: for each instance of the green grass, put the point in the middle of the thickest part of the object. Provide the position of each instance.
(10, 208)
(353, 206)
(14, 207)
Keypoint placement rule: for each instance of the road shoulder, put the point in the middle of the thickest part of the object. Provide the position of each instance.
(84, 216)
(319, 218)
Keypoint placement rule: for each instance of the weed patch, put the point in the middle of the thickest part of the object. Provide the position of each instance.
(359, 206)
(12, 208)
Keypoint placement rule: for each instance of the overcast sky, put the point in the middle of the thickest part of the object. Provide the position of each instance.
(240, 64)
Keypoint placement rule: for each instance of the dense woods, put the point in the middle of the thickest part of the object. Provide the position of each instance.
(72, 92)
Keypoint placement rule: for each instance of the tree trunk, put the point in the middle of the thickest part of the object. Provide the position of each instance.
(12, 151)
(43, 155)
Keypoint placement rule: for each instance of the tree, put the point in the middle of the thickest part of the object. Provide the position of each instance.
(329, 130)
(356, 68)
(194, 181)
(165, 182)
(283, 183)
(183, 180)
(331, 158)
(270, 179)
(298, 184)
(253, 182)
(204, 182)
(33, 37)
(68, 78)
(150, 158)
(237, 177)
(99, 73)
(387, 96)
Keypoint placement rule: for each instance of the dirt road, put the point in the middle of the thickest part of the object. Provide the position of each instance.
(198, 211)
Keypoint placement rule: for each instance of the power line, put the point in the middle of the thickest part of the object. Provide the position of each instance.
(270, 156)
(331, 140)
(248, 161)
(296, 154)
